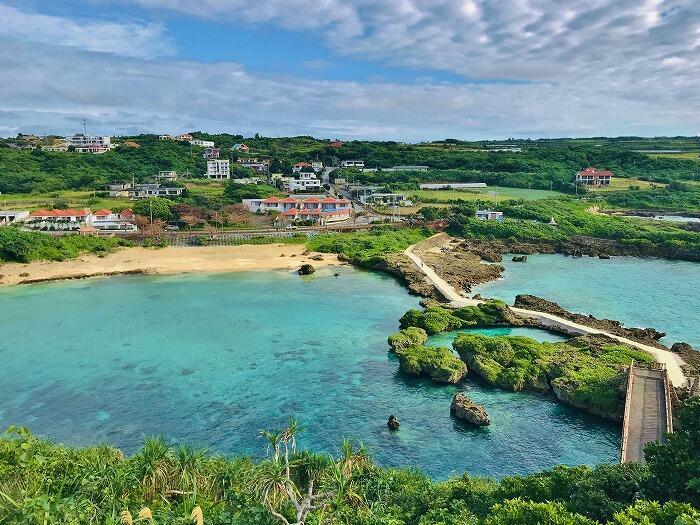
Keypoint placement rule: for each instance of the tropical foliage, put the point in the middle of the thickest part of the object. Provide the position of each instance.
(26, 246)
(367, 248)
(43, 483)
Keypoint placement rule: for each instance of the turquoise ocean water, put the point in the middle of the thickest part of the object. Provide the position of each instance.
(638, 292)
(213, 359)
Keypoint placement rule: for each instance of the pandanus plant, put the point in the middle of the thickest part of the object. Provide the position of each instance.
(145, 515)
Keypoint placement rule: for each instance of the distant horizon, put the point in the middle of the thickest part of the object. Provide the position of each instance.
(359, 139)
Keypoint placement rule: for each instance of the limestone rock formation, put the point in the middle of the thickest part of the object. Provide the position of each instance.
(393, 422)
(465, 409)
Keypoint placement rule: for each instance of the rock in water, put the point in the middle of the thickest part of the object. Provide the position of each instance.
(306, 269)
(519, 258)
(393, 423)
(464, 408)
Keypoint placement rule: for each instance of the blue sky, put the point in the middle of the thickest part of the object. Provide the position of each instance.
(381, 69)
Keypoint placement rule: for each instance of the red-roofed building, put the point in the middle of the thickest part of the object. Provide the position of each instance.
(336, 144)
(594, 177)
(328, 209)
(297, 167)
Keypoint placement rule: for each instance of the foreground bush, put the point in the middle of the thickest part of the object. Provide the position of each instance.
(25, 246)
(43, 483)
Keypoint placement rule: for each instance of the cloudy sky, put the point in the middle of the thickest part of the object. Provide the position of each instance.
(379, 69)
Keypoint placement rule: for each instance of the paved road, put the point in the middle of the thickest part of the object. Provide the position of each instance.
(672, 361)
(646, 413)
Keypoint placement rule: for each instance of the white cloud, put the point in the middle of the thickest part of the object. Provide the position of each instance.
(43, 95)
(129, 39)
(587, 67)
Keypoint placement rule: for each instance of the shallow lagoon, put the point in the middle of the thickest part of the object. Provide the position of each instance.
(638, 292)
(213, 359)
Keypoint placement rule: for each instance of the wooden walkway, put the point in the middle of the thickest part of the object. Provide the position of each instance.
(647, 411)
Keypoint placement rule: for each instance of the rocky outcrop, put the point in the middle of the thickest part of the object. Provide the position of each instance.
(405, 269)
(647, 336)
(393, 422)
(689, 355)
(519, 258)
(465, 409)
(306, 269)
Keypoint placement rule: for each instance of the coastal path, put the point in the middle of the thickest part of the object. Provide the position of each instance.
(647, 411)
(672, 361)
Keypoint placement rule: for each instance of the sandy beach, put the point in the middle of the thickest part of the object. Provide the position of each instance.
(170, 260)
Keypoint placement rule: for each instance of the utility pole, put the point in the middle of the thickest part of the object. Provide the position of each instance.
(150, 207)
(85, 127)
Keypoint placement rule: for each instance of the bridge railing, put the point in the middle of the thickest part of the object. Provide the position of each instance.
(628, 413)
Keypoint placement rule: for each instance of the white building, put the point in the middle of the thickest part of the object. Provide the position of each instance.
(248, 180)
(451, 185)
(166, 137)
(95, 149)
(112, 221)
(388, 199)
(202, 143)
(143, 191)
(306, 181)
(56, 147)
(9, 216)
(257, 165)
(79, 140)
(316, 165)
(218, 169)
(489, 215)
(360, 164)
(166, 175)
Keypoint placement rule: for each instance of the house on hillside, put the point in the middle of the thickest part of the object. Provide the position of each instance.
(202, 143)
(297, 167)
(165, 137)
(211, 153)
(489, 215)
(166, 175)
(307, 181)
(80, 140)
(218, 169)
(185, 137)
(240, 147)
(316, 165)
(8, 217)
(254, 163)
(359, 164)
(593, 177)
(336, 144)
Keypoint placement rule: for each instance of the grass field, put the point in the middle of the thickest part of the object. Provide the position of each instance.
(688, 155)
(75, 199)
(619, 183)
(490, 193)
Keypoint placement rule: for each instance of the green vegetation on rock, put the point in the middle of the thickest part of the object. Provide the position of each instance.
(435, 319)
(528, 221)
(368, 248)
(438, 363)
(584, 372)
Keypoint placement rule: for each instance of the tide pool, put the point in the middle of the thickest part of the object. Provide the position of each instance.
(447, 338)
(213, 359)
(637, 292)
